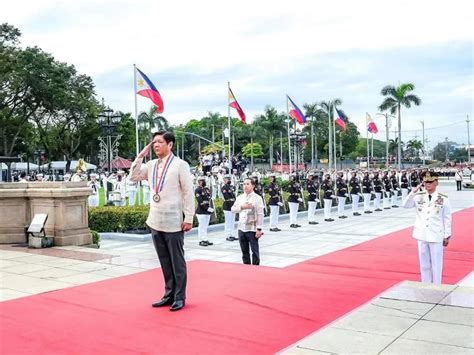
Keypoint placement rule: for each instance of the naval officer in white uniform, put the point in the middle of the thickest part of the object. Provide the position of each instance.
(432, 226)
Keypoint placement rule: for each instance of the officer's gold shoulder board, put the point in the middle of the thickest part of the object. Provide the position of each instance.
(444, 195)
(420, 193)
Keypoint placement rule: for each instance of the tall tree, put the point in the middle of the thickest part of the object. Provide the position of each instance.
(272, 123)
(395, 98)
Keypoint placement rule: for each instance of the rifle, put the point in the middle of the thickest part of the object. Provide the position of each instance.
(302, 196)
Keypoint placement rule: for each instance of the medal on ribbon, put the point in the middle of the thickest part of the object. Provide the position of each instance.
(159, 181)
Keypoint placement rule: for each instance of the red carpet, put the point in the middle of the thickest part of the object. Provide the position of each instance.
(232, 308)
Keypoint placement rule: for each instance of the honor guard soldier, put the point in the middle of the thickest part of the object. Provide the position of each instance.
(367, 190)
(258, 186)
(404, 184)
(228, 193)
(131, 191)
(94, 185)
(387, 188)
(328, 195)
(275, 203)
(203, 210)
(414, 179)
(432, 226)
(395, 188)
(341, 187)
(312, 186)
(378, 190)
(354, 184)
(294, 199)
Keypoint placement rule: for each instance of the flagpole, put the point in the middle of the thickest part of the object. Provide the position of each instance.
(289, 142)
(368, 147)
(228, 124)
(334, 142)
(136, 109)
(281, 152)
(372, 148)
(329, 138)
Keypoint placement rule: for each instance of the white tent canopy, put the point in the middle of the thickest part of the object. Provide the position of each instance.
(20, 166)
(61, 165)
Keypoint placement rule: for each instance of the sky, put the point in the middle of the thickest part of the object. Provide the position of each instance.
(311, 50)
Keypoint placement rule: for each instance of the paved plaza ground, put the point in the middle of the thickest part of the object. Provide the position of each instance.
(25, 272)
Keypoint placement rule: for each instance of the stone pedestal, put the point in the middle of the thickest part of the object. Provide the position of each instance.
(64, 202)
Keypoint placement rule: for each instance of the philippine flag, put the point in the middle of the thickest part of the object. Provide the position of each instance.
(295, 112)
(146, 88)
(371, 126)
(341, 118)
(233, 103)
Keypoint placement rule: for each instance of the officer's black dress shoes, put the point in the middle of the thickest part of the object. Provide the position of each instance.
(203, 243)
(356, 214)
(314, 222)
(275, 229)
(329, 220)
(395, 206)
(231, 239)
(293, 226)
(177, 305)
(165, 301)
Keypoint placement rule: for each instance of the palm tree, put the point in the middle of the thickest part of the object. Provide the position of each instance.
(415, 146)
(272, 123)
(395, 97)
(152, 121)
(393, 147)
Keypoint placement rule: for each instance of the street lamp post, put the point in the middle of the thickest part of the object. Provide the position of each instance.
(387, 127)
(297, 138)
(108, 122)
(423, 143)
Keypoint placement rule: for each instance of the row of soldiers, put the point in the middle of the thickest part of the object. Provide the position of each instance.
(383, 188)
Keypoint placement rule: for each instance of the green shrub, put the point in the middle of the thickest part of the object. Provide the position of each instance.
(95, 238)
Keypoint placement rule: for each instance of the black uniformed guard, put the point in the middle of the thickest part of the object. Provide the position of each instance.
(294, 199)
(378, 188)
(414, 178)
(354, 185)
(387, 186)
(395, 188)
(203, 210)
(342, 193)
(404, 184)
(228, 193)
(275, 202)
(312, 185)
(328, 194)
(367, 186)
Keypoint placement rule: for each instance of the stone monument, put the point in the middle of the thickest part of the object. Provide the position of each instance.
(64, 202)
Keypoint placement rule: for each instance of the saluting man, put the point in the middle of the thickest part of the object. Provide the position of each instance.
(275, 202)
(294, 199)
(432, 226)
(228, 192)
(312, 186)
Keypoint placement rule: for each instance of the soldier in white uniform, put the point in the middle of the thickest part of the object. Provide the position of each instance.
(432, 226)
(131, 191)
(94, 185)
(146, 192)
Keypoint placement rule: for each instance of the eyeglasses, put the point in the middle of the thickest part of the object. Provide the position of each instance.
(429, 182)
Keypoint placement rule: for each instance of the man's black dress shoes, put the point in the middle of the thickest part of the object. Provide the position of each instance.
(177, 305)
(165, 301)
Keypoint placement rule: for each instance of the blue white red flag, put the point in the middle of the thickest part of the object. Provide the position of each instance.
(146, 88)
(295, 112)
(371, 126)
(341, 118)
